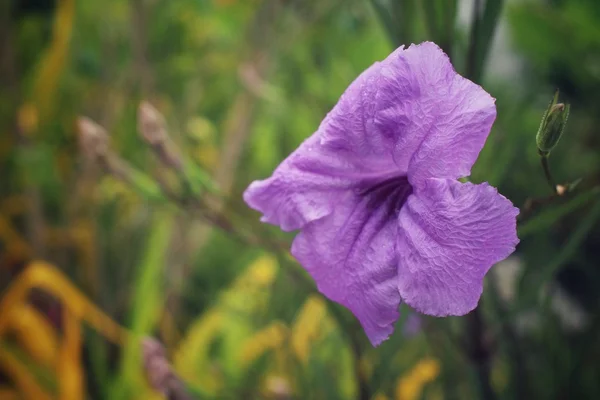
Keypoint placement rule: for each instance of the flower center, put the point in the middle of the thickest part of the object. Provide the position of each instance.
(390, 193)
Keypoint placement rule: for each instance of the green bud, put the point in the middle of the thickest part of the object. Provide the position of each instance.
(552, 126)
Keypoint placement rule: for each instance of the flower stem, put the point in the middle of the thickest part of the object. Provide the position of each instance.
(515, 349)
(479, 353)
(547, 173)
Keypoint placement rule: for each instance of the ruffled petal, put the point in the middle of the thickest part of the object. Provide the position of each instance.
(409, 111)
(440, 120)
(454, 142)
(450, 235)
(344, 153)
(351, 255)
(298, 192)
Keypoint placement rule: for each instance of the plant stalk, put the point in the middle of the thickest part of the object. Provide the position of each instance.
(547, 173)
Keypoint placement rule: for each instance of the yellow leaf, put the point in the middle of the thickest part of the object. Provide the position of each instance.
(191, 359)
(44, 276)
(428, 369)
(34, 333)
(15, 314)
(12, 239)
(411, 385)
(54, 57)
(21, 377)
(248, 293)
(70, 372)
(269, 338)
(260, 273)
(230, 320)
(308, 326)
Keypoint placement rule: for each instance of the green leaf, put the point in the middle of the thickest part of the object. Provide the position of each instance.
(529, 288)
(146, 305)
(146, 186)
(482, 33)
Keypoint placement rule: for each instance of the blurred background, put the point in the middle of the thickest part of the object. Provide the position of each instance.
(130, 268)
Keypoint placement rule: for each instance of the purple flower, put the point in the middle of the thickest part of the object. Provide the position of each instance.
(374, 193)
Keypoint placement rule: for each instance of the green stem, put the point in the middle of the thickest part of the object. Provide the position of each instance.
(479, 353)
(471, 65)
(514, 347)
(547, 173)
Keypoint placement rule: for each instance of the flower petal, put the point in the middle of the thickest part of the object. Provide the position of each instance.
(342, 154)
(454, 142)
(298, 192)
(351, 256)
(440, 120)
(411, 111)
(451, 234)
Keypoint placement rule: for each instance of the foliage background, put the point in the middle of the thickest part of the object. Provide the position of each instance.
(241, 84)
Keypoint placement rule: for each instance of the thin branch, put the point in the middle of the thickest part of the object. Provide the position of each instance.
(548, 174)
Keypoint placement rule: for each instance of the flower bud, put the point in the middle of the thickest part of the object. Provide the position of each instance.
(552, 126)
(93, 139)
(151, 124)
(153, 129)
(158, 370)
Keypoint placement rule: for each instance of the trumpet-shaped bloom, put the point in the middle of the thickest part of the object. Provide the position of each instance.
(374, 193)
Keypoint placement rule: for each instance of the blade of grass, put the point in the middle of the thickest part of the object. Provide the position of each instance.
(431, 20)
(147, 298)
(529, 290)
(405, 14)
(483, 27)
(386, 18)
(449, 15)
